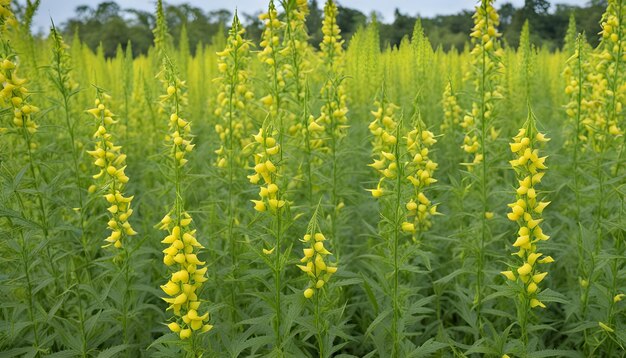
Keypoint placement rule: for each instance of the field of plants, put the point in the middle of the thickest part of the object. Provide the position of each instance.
(275, 199)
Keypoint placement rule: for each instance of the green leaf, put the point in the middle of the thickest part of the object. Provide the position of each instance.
(113, 351)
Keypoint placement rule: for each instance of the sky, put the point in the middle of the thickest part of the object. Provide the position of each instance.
(61, 10)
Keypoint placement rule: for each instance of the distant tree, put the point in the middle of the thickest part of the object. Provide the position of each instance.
(349, 21)
(314, 23)
(108, 25)
(507, 10)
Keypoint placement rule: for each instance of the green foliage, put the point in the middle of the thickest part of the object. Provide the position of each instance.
(63, 295)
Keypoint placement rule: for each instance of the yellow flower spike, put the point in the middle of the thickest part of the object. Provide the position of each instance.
(269, 252)
(618, 297)
(529, 167)
(109, 160)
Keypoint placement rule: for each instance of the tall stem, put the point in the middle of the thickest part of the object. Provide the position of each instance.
(483, 187)
(396, 234)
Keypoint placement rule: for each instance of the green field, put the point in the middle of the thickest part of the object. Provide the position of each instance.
(275, 198)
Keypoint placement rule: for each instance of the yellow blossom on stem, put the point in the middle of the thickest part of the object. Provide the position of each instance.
(383, 128)
(419, 171)
(187, 272)
(527, 209)
(111, 176)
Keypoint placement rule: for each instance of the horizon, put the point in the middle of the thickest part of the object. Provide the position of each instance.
(61, 11)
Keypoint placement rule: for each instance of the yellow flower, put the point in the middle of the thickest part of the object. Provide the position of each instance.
(309, 292)
(536, 303)
(509, 275)
(315, 266)
(528, 166)
(109, 159)
(174, 327)
(408, 227)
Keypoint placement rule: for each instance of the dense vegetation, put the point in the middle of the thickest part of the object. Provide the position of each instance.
(272, 195)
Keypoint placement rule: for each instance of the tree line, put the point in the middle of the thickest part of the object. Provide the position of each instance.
(109, 25)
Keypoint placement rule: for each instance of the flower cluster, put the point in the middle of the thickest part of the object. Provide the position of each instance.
(186, 278)
(233, 96)
(6, 15)
(331, 46)
(451, 110)
(179, 129)
(111, 163)
(300, 55)
(314, 264)
(265, 169)
(15, 94)
(608, 82)
(186, 271)
(419, 172)
(527, 211)
(271, 55)
(486, 57)
(384, 128)
(573, 73)
(332, 121)
(297, 47)
(61, 63)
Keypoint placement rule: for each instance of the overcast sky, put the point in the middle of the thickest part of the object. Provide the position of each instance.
(61, 10)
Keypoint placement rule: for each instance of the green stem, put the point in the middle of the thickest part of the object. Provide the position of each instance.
(277, 280)
(483, 187)
(234, 81)
(320, 333)
(396, 234)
